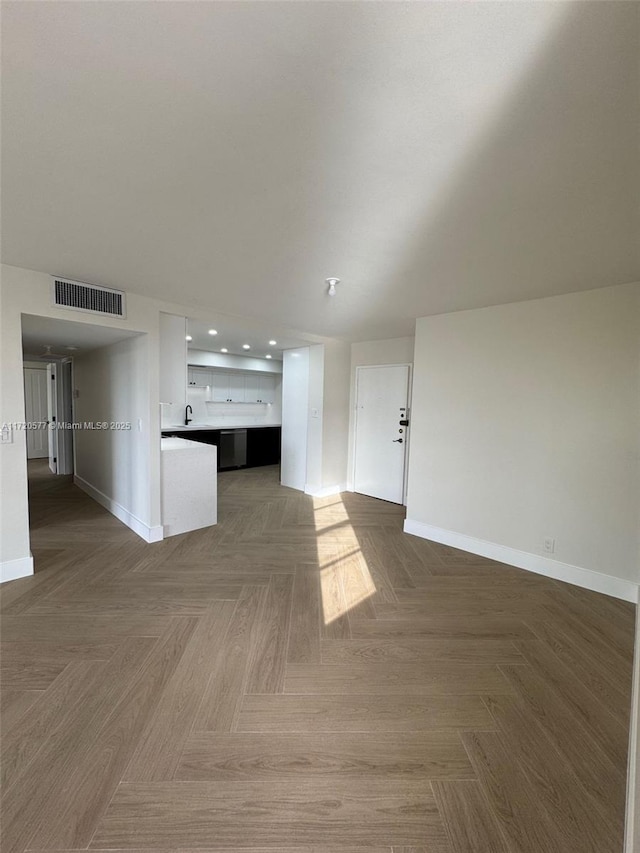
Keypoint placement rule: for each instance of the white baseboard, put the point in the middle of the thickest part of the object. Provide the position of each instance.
(596, 581)
(11, 570)
(326, 491)
(149, 534)
(632, 831)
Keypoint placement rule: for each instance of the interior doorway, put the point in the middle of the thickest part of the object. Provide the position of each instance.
(35, 404)
(60, 416)
(382, 431)
(80, 377)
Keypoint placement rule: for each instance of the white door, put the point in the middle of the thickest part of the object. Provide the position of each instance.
(35, 402)
(52, 408)
(381, 440)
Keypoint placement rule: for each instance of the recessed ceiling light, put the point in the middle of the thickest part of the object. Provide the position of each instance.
(246, 346)
(267, 356)
(213, 331)
(224, 349)
(188, 338)
(272, 343)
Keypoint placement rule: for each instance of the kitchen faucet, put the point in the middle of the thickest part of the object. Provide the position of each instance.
(187, 419)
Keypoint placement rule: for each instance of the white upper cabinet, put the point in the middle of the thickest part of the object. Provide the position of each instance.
(251, 388)
(199, 377)
(237, 387)
(234, 386)
(173, 358)
(220, 387)
(267, 388)
(227, 387)
(258, 388)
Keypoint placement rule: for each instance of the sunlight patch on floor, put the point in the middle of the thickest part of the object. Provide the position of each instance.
(345, 579)
(327, 515)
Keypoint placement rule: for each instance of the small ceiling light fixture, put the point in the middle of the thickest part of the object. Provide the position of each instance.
(224, 349)
(213, 331)
(332, 286)
(267, 355)
(246, 346)
(188, 338)
(272, 343)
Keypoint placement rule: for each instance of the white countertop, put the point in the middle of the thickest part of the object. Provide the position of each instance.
(185, 444)
(191, 427)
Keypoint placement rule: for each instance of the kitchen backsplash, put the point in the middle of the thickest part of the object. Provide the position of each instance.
(221, 414)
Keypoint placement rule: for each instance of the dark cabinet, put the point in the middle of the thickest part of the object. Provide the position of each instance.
(204, 436)
(263, 446)
(263, 443)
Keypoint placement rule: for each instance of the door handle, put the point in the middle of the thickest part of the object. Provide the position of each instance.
(397, 441)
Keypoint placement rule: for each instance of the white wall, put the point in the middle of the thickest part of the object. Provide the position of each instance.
(390, 351)
(315, 388)
(335, 423)
(112, 465)
(315, 417)
(295, 418)
(526, 419)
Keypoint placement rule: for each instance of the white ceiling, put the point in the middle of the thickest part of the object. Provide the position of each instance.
(38, 333)
(233, 332)
(231, 156)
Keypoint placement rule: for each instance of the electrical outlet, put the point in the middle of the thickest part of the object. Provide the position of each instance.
(549, 545)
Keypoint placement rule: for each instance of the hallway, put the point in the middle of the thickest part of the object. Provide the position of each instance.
(302, 677)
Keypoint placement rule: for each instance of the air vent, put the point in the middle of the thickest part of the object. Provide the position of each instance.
(87, 297)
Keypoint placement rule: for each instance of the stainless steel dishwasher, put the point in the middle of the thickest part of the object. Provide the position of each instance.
(233, 448)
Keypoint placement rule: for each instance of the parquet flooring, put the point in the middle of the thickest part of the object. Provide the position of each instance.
(303, 677)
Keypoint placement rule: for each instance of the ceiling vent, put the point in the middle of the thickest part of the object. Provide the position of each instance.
(87, 297)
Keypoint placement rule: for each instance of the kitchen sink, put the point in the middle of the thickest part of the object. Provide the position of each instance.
(188, 426)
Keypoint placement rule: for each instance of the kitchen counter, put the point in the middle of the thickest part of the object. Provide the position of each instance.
(181, 444)
(183, 428)
(251, 446)
(189, 485)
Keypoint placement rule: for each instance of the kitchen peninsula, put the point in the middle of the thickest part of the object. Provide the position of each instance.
(189, 485)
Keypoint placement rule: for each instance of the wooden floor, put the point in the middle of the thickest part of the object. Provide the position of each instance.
(303, 677)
